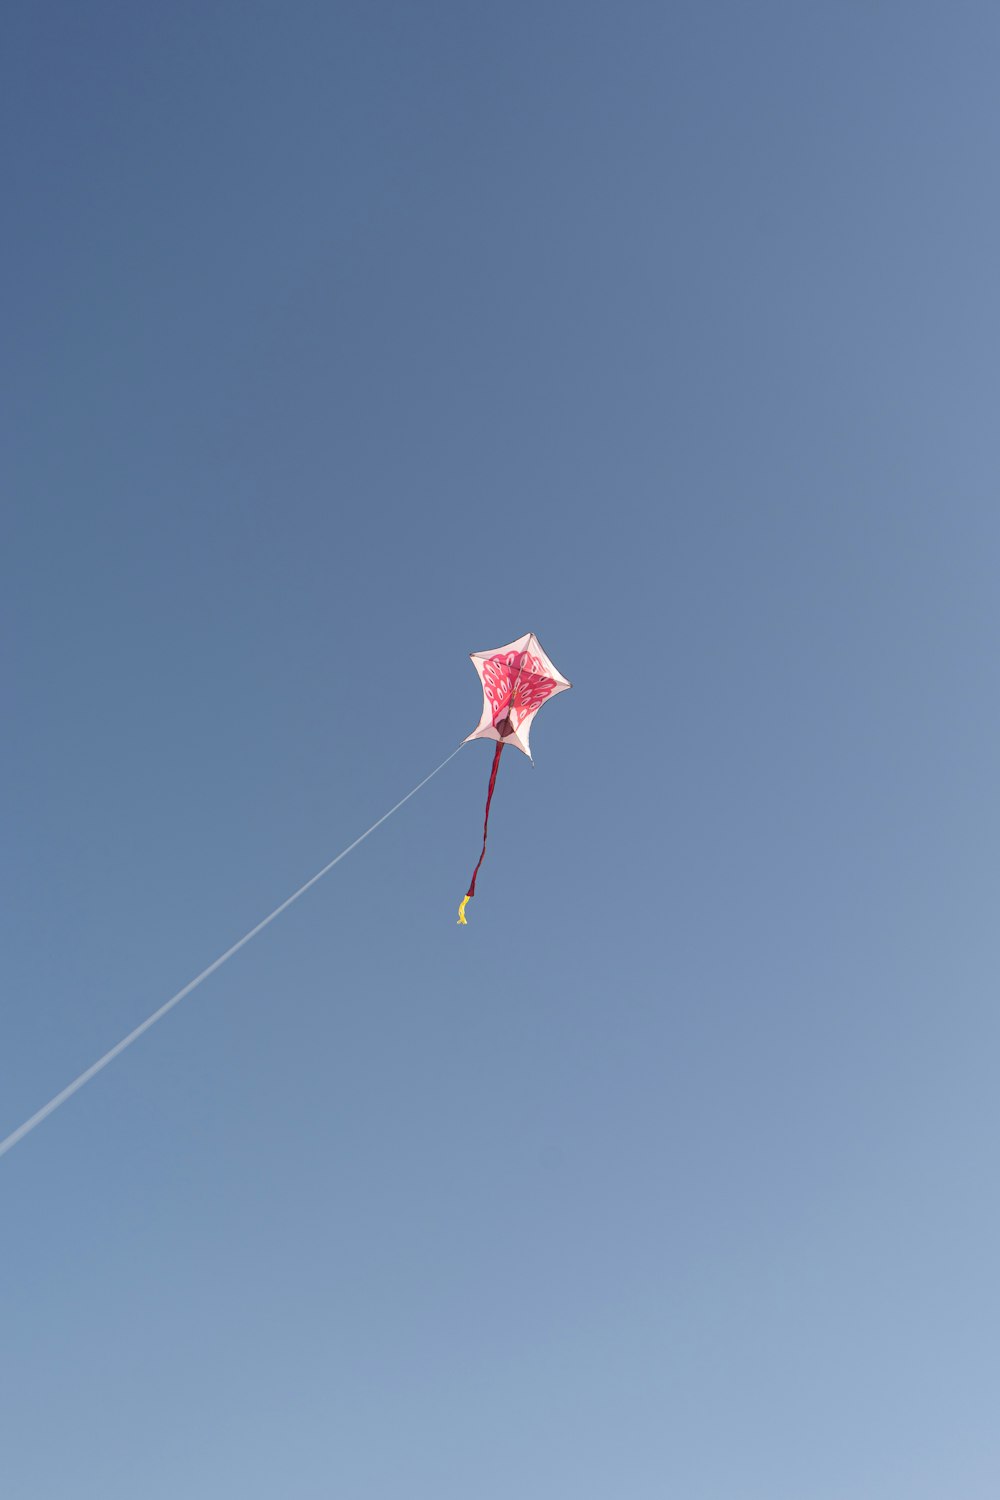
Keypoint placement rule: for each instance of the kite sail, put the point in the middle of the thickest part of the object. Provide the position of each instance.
(517, 679)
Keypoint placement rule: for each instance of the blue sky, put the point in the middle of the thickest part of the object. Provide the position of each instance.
(340, 341)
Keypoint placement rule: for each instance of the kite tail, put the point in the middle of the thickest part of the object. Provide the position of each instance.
(489, 798)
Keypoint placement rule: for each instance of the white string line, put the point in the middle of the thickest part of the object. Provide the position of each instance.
(102, 1062)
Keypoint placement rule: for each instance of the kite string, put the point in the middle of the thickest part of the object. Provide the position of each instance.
(119, 1047)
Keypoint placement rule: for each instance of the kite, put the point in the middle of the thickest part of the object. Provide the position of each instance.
(516, 679)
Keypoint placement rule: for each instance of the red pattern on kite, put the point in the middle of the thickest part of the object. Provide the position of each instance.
(518, 673)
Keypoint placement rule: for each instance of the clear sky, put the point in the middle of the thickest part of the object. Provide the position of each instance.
(340, 340)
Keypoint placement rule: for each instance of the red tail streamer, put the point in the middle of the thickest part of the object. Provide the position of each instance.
(486, 823)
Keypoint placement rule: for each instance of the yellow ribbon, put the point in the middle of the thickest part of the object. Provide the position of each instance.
(461, 913)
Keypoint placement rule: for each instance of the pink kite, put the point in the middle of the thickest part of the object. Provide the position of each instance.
(517, 679)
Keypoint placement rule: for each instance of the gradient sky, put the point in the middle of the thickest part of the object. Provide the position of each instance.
(340, 340)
